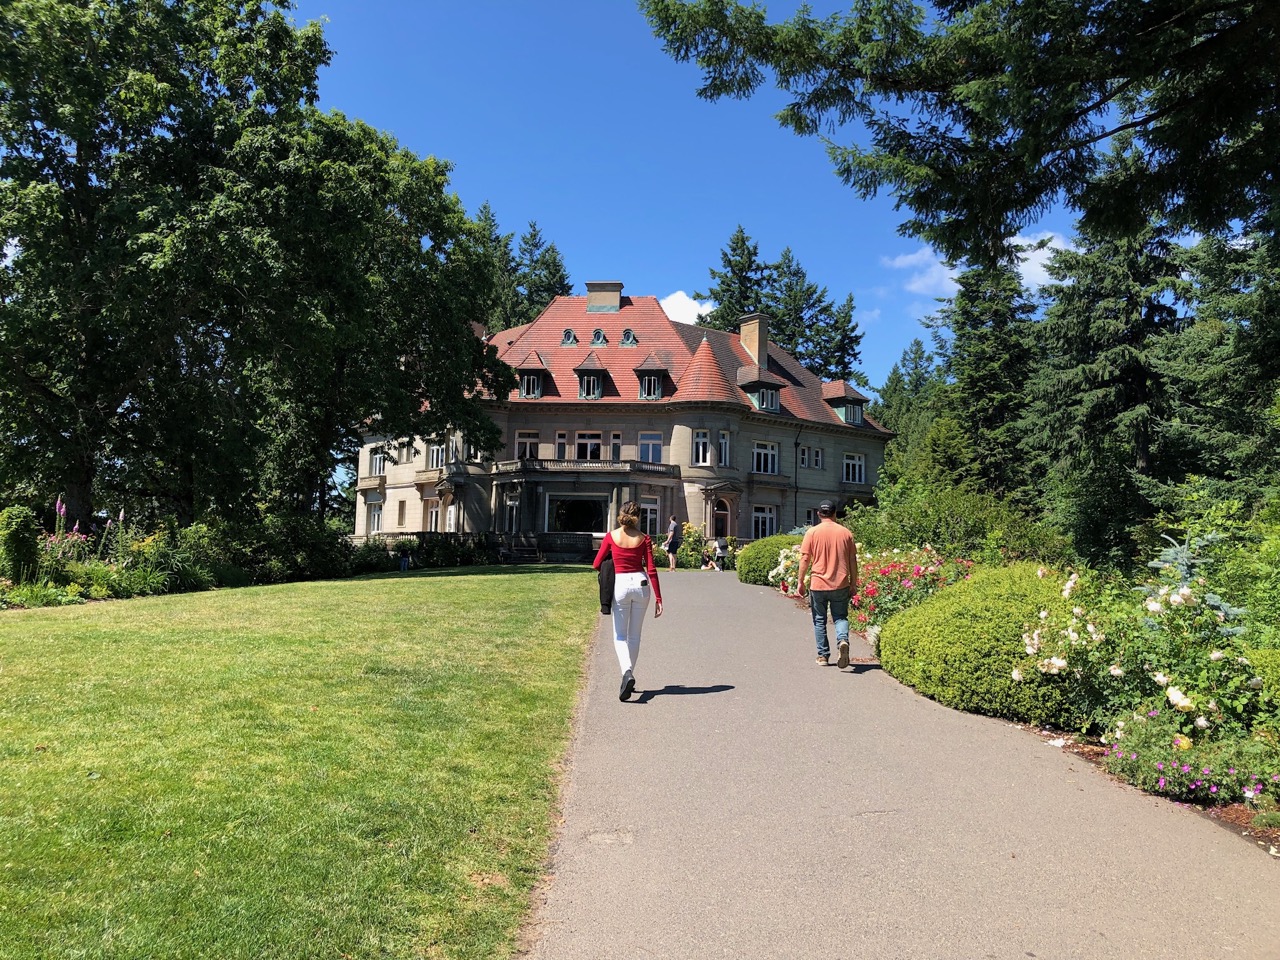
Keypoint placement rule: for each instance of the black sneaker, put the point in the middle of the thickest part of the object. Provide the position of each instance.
(628, 684)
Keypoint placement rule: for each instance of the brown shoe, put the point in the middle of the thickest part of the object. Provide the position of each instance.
(844, 655)
(823, 661)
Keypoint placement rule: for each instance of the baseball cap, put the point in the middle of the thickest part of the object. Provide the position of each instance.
(826, 507)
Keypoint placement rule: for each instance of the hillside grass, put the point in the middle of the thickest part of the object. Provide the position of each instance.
(348, 769)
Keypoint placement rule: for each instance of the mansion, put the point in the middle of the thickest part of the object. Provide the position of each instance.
(618, 402)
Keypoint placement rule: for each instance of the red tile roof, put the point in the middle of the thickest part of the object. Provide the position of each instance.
(840, 390)
(704, 364)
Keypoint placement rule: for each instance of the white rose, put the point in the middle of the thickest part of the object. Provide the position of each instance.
(1117, 670)
(1255, 683)
(1175, 600)
(1161, 679)
(1202, 723)
(1216, 656)
(1017, 675)
(1154, 606)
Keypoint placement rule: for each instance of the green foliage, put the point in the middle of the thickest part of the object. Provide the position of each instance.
(739, 288)
(540, 274)
(980, 114)
(1154, 755)
(19, 544)
(372, 556)
(756, 559)
(1266, 821)
(962, 646)
(954, 521)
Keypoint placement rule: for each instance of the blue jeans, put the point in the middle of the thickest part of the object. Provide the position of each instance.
(838, 601)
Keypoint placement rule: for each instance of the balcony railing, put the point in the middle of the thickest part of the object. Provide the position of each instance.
(372, 483)
(586, 466)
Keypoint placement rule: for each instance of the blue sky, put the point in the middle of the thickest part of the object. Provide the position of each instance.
(570, 113)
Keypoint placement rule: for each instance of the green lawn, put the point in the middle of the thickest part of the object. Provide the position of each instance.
(361, 768)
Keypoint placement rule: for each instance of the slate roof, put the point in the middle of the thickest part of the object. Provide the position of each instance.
(704, 365)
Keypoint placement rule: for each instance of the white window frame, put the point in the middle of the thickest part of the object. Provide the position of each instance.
(767, 399)
(764, 521)
(857, 413)
(530, 385)
(433, 515)
(526, 444)
(810, 517)
(451, 518)
(817, 458)
(402, 512)
(377, 463)
(803, 454)
(724, 448)
(562, 445)
(855, 468)
(615, 446)
(435, 455)
(590, 386)
(584, 440)
(650, 447)
(764, 457)
(649, 517)
(374, 515)
(650, 386)
(701, 456)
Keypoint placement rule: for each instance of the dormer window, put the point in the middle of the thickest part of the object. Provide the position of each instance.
(766, 398)
(568, 339)
(598, 338)
(531, 385)
(650, 386)
(590, 386)
(855, 413)
(629, 338)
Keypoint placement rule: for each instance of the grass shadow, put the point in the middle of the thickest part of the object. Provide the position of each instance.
(491, 570)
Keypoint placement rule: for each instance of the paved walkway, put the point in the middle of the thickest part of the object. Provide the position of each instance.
(753, 804)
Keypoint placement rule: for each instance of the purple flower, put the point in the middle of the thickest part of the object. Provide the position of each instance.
(61, 508)
(1214, 788)
(1133, 756)
(76, 528)
(1185, 768)
(1231, 770)
(1153, 713)
(1160, 765)
(122, 515)
(1206, 771)
(1161, 783)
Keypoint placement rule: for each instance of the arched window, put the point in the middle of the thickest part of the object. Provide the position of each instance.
(568, 340)
(720, 522)
(597, 338)
(629, 338)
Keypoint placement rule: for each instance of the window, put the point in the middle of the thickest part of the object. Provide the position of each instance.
(817, 458)
(702, 448)
(598, 338)
(764, 522)
(568, 339)
(435, 456)
(651, 387)
(405, 452)
(803, 455)
(377, 463)
(472, 452)
(562, 445)
(589, 446)
(433, 516)
(855, 468)
(401, 510)
(651, 447)
(764, 457)
(451, 518)
(590, 386)
(530, 386)
(856, 413)
(810, 517)
(526, 444)
(629, 338)
(649, 516)
(724, 448)
(615, 447)
(767, 399)
(375, 518)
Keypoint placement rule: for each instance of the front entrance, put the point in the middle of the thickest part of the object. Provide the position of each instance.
(720, 520)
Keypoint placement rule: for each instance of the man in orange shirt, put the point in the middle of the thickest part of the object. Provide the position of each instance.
(829, 552)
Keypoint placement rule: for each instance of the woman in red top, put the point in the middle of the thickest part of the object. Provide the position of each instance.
(634, 576)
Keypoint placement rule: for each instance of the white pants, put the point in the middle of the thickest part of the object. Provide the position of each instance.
(630, 601)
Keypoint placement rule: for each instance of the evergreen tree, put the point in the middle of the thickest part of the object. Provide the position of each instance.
(795, 305)
(739, 288)
(988, 361)
(540, 274)
(907, 406)
(504, 307)
(832, 346)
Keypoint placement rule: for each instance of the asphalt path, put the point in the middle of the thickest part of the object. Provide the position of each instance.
(750, 803)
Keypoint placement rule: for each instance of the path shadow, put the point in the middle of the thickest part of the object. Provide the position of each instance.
(680, 690)
(855, 667)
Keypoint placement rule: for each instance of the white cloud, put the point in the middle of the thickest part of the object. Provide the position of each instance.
(929, 275)
(1034, 274)
(866, 317)
(682, 308)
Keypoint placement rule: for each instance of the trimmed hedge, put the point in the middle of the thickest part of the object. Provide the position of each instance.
(755, 560)
(19, 544)
(961, 646)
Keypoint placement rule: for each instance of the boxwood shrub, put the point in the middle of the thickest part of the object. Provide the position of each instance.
(19, 544)
(961, 647)
(755, 560)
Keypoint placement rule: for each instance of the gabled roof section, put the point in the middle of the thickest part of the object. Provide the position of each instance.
(841, 390)
(533, 361)
(704, 380)
(751, 375)
(650, 364)
(591, 361)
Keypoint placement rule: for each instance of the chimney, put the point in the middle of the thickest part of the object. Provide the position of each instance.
(753, 328)
(604, 296)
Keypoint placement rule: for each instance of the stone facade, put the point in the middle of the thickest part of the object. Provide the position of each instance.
(617, 402)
